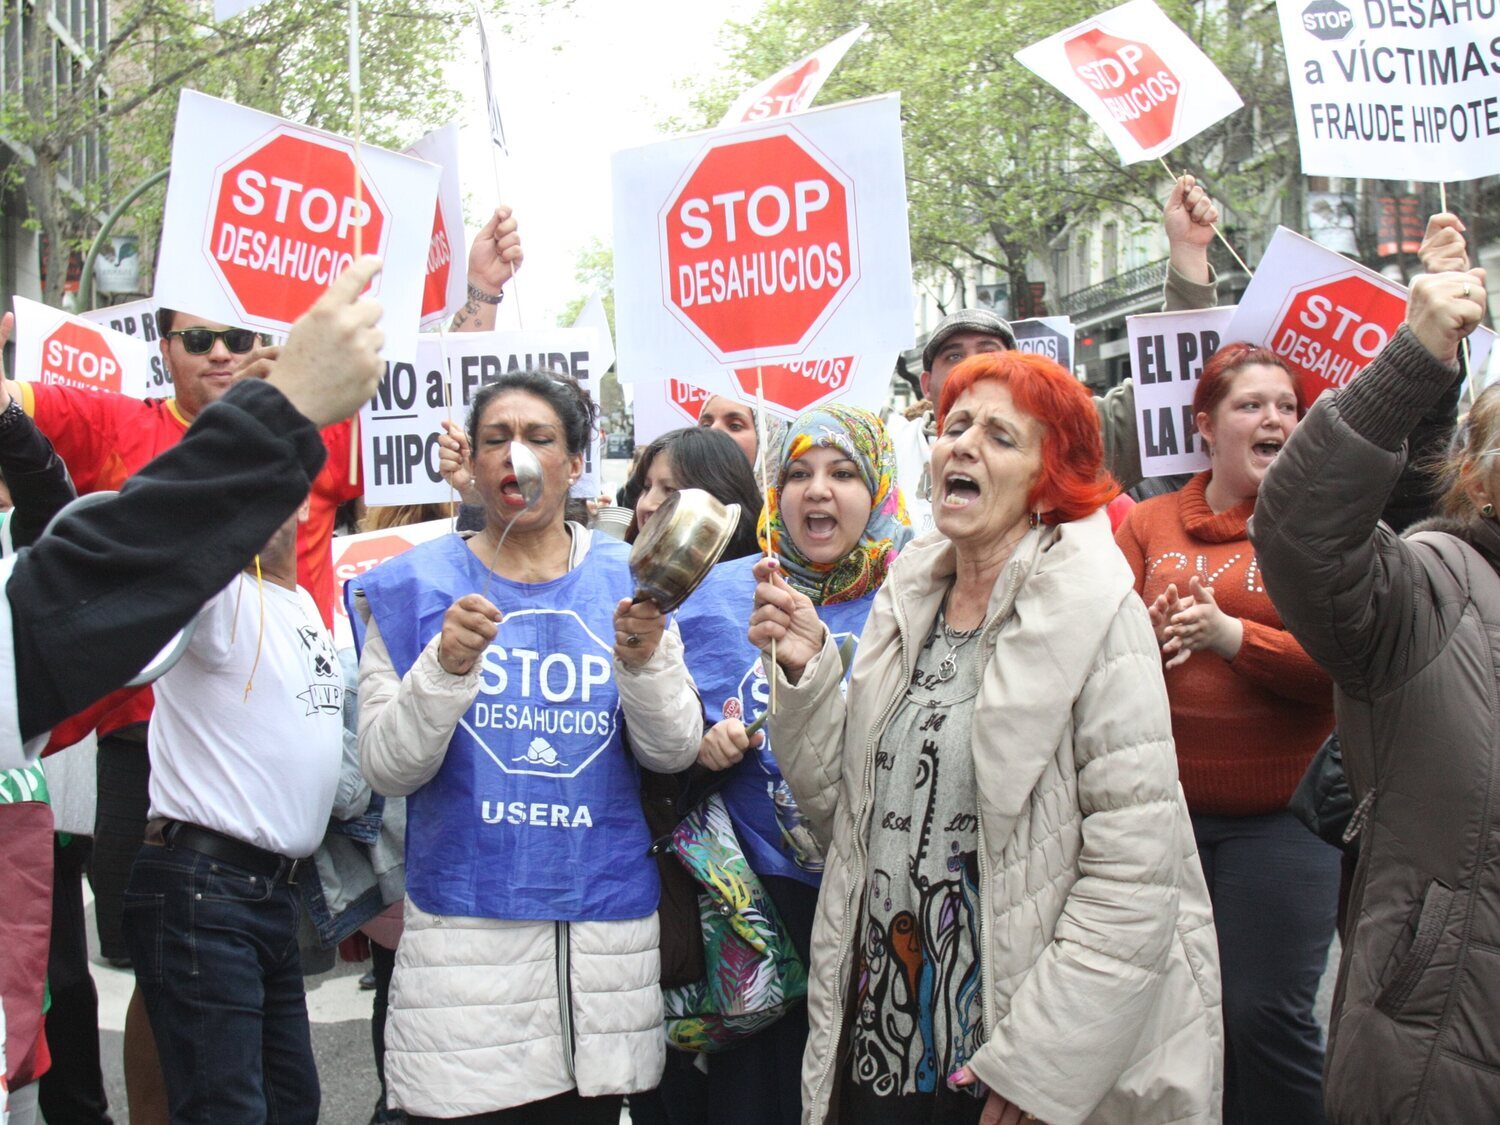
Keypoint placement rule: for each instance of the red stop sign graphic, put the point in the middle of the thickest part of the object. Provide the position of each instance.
(286, 223)
(788, 95)
(439, 263)
(75, 355)
(797, 386)
(1329, 330)
(1137, 88)
(362, 557)
(687, 398)
(760, 244)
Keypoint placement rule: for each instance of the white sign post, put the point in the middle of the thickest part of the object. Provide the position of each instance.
(1384, 89)
(1167, 353)
(762, 244)
(261, 215)
(56, 347)
(1138, 76)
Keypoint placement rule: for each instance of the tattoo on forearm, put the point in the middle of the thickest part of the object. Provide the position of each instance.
(464, 315)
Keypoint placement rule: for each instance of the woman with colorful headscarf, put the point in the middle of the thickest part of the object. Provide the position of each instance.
(835, 519)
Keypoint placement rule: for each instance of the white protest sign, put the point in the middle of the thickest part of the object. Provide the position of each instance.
(353, 555)
(491, 101)
(592, 315)
(399, 427)
(1051, 336)
(913, 467)
(446, 280)
(1167, 353)
(55, 347)
(792, 88)
(1386, 88)
(666, 405)
(137, 319)
(1325, 316)
(1138, 77)
(763, 243)
(261, 215)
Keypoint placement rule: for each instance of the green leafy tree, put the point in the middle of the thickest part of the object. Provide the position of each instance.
(289, 59)
(998, 162)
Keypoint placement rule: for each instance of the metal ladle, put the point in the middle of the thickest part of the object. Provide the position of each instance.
(528, 472)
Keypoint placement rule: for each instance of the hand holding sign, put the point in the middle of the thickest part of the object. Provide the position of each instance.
(330, 364)
(258, 362)
(494, 258)
(453, 461)
(1444, 308)
(1443, 249)
(725, 744)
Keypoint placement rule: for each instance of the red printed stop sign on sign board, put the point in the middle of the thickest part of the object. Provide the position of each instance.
(788, 95)
(687, 398)
(761, 244)
(1136, 87)
(285, 223)
(75, 355)
(363, 556)
(439, 262)
(1331, 329)
(796, 386)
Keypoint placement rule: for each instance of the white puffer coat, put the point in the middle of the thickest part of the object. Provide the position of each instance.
(1098, 955)
(486, 1014)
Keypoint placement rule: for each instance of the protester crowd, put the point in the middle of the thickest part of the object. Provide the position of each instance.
(961, 807)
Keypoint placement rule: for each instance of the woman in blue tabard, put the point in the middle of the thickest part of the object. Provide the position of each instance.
(497, 680)
(835, 519)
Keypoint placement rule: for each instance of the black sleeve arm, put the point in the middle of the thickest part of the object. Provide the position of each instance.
(36, 476)
(97, 599)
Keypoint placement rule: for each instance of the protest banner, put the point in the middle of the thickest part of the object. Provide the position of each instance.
(261, 216)
(1325, 316)
(1167, 352)
(1051, 336)
(399, 427)
(446, 282)
(137, 319)
(56, 347)
(792, 88)
(1386, 88)
(353, 555)
(1138, 77)
(764, 243)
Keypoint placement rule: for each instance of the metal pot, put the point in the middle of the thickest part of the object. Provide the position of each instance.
(679, 545)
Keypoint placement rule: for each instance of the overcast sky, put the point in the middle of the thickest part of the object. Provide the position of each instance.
(581, 82)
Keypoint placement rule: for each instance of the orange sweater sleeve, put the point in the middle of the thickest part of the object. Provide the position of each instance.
(1271, 658)
(1133, 549)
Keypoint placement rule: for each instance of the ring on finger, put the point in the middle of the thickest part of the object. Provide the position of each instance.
(1466, 290)
(632, 639)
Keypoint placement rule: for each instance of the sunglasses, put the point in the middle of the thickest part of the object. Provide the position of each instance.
(200, 341)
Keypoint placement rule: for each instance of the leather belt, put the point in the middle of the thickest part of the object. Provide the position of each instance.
(216, 845)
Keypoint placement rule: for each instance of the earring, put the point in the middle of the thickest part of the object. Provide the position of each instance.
(1487, 511)
(1034, 521)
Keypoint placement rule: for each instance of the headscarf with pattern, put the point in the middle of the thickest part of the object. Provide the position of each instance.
(861, 437)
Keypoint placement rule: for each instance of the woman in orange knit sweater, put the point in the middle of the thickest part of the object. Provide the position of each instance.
(1249, 707)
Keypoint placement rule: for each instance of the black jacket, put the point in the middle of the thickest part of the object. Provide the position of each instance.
(99, 597)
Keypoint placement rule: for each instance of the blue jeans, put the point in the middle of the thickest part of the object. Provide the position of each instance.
(215, 954)
(1275, 889)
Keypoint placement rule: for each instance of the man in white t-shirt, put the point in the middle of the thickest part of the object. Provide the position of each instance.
(245, 744)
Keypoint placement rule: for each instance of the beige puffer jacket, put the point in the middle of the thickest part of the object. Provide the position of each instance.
(1098, 959)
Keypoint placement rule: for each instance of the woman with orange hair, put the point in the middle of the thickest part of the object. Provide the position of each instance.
(1249, 708)
(1013, 924)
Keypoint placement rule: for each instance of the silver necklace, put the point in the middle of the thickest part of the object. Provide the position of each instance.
(948, 666)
